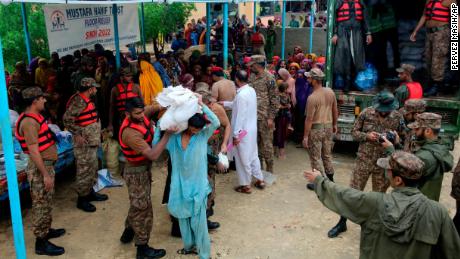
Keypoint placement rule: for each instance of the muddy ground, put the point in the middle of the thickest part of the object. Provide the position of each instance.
(284, 221)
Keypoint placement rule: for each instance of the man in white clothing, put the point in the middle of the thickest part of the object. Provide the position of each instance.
(244, 118)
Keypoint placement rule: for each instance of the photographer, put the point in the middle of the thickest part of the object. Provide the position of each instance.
(371, 123)
(434, 154)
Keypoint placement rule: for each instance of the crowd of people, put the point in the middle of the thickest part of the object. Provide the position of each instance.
(250, 106)
(249, 111)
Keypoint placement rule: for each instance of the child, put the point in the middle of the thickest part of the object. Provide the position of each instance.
(282, 120)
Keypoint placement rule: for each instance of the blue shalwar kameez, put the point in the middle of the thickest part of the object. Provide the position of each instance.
(190, 186)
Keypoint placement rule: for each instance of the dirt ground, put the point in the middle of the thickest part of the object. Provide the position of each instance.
(284, 221)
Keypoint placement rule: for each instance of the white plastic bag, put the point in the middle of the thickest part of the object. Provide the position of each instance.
(223, 159)
(181, 105)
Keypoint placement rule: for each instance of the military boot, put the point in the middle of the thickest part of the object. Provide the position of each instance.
(127, 236)
(339, 228)
(45, 247)
(84, 204)
(147, 252)
(94, 196)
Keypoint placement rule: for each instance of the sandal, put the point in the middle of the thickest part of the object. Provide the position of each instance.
(259, 184)
(243, 189)
(183, 251)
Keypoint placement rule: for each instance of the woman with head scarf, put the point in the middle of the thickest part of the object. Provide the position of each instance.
(42, 74)
(149, 81)
(293, 68)
(272, 67)
(287, 78)
(302, 91)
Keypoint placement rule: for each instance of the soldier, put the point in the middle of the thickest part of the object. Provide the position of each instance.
(371, 123)
(400, 224)
(408, 89)
(135, 137)
(435, 18)
(434, 154)
(38, 142)
(125, 90)
(217, 143)
(82, 121)
(267, 107)
(411, 109)
(320, 125)
(455, 193)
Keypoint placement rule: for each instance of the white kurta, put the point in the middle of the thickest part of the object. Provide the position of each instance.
(244, 117)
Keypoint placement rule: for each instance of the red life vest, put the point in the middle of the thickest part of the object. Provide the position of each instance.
(89, 115)
(124, 95)
(415, 90)
(145, 129)
(256, 40)
(45, 136)
(344, 12)
(434, 10)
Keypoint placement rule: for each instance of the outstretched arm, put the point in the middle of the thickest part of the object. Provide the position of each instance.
(352, 204)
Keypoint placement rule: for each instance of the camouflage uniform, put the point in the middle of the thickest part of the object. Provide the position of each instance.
(436, 53)
(414, 106)
(320, 145)
(369, 152)
(267, 108)
(86, 154)
(140, 215)
(434, 154)
(393, 223)
(214, 144)
(320, 139)
(42, 200)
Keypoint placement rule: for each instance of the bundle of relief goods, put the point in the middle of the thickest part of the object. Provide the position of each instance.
(181, 104)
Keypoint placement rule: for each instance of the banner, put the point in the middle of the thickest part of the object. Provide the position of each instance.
(73, 27)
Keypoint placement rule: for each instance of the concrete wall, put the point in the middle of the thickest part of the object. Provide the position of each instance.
(301, 37)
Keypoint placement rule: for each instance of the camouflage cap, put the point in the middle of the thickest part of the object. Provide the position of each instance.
(406, 68)
(315, 73)
(259, 59)
(87, 83)
(32, 92)
(426, 120)
(406, 164)
(415, 105)
(385, 102)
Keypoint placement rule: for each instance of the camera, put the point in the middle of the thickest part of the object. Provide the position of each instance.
(388, 135)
